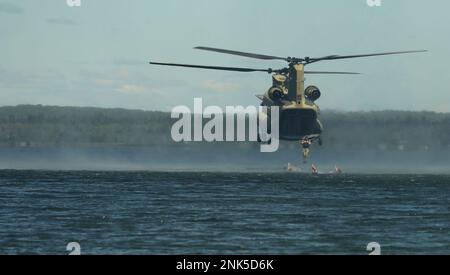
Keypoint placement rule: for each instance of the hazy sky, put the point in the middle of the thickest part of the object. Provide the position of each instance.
(97, 54)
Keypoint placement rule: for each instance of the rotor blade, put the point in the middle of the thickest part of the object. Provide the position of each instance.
(235, 69)
(250, 55)
(335, 57)
(318, 72)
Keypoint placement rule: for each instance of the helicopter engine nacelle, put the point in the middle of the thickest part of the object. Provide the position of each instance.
(275, 94)
(312, 93)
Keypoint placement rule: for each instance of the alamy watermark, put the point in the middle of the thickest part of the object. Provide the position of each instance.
(374, 3)
(73, 3)
(235, 128)
(374, 248)
(74, 248)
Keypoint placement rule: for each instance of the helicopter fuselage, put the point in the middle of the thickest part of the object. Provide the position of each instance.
(298, 110)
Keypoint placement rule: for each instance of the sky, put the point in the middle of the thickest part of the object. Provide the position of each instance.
(97, 54)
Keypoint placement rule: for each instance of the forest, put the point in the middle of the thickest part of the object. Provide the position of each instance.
(50, 126)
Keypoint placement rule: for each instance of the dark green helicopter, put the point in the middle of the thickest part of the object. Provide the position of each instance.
(298, 109)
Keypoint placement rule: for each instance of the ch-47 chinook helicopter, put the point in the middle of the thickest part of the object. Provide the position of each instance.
(298, 109)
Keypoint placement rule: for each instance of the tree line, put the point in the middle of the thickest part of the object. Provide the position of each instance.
(40, 126)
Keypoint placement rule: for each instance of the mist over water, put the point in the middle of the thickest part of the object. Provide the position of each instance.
(234, 159)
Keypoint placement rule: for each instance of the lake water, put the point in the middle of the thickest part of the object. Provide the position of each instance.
(222, 213)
